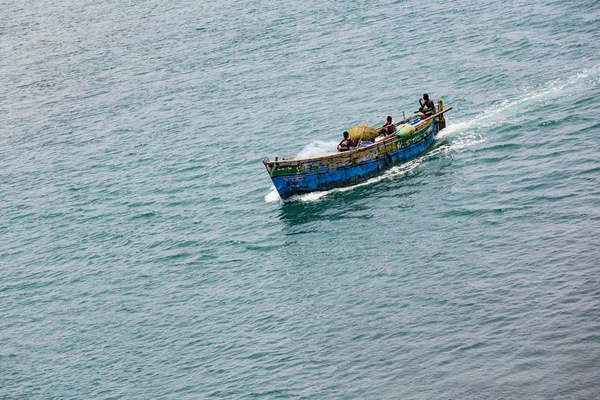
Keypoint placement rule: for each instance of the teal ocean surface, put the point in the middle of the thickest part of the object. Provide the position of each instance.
(145, 254)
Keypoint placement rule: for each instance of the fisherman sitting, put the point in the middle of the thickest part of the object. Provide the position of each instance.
(388, 128)
(347, 143)
(427, 106)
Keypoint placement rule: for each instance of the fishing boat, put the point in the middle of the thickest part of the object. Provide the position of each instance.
(293, 177)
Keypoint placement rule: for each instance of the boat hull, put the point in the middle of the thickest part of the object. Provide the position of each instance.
(297, 177)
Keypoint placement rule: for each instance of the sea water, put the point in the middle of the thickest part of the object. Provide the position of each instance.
(145, 254)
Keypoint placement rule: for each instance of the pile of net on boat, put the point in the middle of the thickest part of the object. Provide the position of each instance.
(367, 133)
(362, 132)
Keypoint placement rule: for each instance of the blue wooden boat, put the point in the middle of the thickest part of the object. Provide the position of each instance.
(300, 176)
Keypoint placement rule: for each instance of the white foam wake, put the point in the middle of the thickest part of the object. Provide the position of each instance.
(317, 148)
(472, 131)
(524, 103)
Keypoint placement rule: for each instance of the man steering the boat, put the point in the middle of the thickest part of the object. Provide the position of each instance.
(427, 106)
(389, 127)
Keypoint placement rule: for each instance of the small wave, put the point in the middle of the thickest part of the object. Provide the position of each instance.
(318, 148)
(272, 196)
